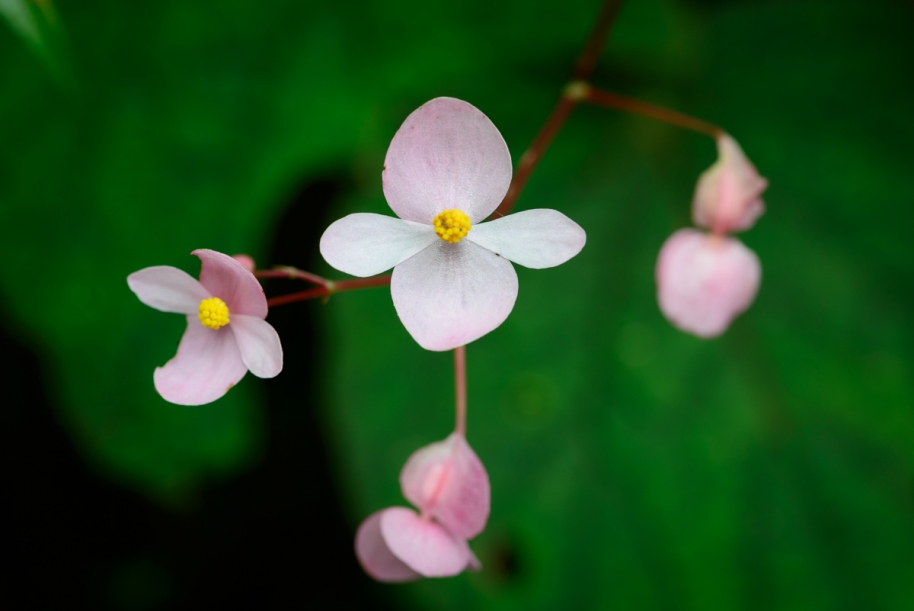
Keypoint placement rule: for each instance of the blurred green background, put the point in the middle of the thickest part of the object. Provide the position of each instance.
(632, 466)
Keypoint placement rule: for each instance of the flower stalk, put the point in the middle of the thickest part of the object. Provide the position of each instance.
(534, 153)
(587, 61)
(292, 273)
(609, 99)
(327, 288)
(460, 387)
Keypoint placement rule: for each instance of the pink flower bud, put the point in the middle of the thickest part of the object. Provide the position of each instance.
(728, 194)
(246, 262)
(449, 485)
(704, 281)
(447, 481)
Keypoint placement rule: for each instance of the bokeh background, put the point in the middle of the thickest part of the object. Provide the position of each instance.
(632, 466)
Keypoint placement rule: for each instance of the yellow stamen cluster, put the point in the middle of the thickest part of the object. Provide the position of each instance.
(213, 313)
(452, 225)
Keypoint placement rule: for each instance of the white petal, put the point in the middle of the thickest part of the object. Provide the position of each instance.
(259, 345)
(451, 294)
(532, 238)
(447, 154)
(168, 289)
(368, 244)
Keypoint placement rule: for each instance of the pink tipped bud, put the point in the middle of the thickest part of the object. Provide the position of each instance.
(447, 481)
(728, 194)
(246, 262)
(705, 281)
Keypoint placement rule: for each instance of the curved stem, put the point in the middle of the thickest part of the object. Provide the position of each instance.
(609, 99)
(329, 288)
(460, 386)
(531, 157)
(573, 93)
(587, 61)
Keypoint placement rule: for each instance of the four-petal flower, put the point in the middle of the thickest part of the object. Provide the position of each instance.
(446, 170)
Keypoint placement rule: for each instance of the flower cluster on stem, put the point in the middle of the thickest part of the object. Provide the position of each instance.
(449, 180)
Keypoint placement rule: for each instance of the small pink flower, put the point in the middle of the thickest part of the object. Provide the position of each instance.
(226, 332)
(446, 170)
(728, 194)
(704, 281)
(450, 486)
(246, 261)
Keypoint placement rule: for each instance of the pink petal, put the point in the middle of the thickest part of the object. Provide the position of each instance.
(448, 481)
(368, 244)
(422, 544)
(206, 366)
(451, 294)
(227, 279)
(533, 238)
(374, 556)
(168, 289)
(728, 194)
(258, 344)
(704, 281)
(447, 154)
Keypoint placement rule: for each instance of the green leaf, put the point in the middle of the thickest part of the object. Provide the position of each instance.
(18, 14)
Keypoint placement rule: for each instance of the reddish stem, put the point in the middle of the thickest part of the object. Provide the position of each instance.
(460, 386)
(291, 272)
(572, 94)
(329, 288)
(531, 157)
(587, 61)
(609, 99)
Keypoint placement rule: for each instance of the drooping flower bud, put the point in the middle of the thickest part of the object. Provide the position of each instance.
(447, 481)
(728, 194)
(449, 485)
(704, 281)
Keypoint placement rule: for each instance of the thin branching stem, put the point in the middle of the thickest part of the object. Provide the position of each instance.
(291, 272)
(587, 61)
(571, 95)
(608, 99)
(329, 288)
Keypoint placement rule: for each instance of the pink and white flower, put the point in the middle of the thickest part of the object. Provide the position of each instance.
(446, 170)
(450, 486)
(705, 280)
(226, 334)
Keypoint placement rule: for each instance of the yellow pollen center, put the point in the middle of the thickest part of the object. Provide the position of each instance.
(213, 313)
(452, 225)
